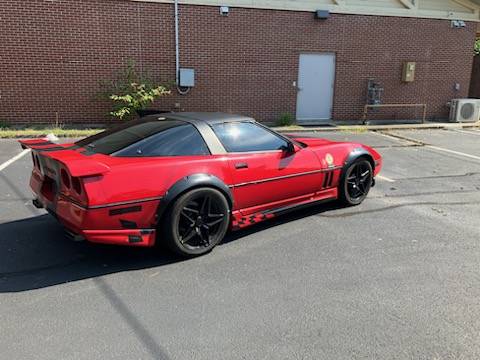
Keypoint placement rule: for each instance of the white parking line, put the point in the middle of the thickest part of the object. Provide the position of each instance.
(396, 139)
(453, 152)
(469, 132)
(438, 148)
(12, 160)
(384, 178)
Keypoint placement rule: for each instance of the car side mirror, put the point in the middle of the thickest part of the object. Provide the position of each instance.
(289, 149)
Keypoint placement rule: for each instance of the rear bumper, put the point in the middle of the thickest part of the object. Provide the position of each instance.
(133, 237)
(100, 226)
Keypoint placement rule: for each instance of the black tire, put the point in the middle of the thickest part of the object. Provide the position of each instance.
(196, 222)
(356, 182)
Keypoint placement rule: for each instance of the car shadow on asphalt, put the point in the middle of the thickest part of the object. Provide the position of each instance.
(35, 252)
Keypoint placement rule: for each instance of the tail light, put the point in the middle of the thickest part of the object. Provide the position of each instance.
(77, 185)
(77, 191)
(36, 162)
(73, 187)
(65, 177)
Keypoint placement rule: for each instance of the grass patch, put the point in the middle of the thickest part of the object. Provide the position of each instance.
(353, 129)
(286, 119)
(10, 133)
(288, 127)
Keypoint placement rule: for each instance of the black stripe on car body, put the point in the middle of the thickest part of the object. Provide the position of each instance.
(125, 210)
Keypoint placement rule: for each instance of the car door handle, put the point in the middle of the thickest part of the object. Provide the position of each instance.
(241, 165)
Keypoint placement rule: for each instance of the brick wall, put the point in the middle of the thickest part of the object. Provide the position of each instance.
(54, 53)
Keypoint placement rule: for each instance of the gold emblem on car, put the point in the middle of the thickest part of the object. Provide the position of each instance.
(329, 159)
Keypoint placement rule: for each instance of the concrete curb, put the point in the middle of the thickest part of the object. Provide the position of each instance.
(360, 128)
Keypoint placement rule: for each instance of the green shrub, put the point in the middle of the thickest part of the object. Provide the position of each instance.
(13, 133)
(477, 47)
(132, 92)
(4, 124)
(286, 119)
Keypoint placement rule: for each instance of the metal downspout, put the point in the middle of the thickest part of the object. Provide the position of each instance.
(177, 46)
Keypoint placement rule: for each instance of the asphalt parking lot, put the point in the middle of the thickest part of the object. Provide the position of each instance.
(395, 278)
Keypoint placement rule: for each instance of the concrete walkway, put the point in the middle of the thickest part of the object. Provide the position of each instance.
(432, 125)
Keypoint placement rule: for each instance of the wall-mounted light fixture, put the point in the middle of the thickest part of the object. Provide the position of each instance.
(224, 10)
(322, 14)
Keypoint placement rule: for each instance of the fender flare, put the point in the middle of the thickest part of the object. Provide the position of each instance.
(354, 155)
(191, 182)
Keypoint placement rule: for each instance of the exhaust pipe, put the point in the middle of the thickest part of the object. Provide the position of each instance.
(37, 204)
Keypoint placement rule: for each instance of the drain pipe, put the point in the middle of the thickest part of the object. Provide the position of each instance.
(181, 91)
(177, 46)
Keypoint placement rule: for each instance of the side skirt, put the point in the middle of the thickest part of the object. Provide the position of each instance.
(239, 221)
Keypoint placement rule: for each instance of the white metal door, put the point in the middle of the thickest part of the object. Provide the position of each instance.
(316, 80)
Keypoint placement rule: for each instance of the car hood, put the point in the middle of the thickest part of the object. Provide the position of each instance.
(310, 141)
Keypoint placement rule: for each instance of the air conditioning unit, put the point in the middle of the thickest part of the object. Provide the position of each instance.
(465, 110)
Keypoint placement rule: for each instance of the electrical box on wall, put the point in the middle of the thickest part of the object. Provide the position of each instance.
(187, 78)
(409, 71)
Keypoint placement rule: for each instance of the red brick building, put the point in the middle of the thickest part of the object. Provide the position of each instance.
(53, 55)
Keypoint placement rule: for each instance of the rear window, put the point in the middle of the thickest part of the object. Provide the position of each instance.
(148, 138)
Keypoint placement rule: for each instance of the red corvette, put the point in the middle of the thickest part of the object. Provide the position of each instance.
(186, 178)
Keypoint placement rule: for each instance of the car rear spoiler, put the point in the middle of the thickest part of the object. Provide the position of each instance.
(78, 165)
(38, 144)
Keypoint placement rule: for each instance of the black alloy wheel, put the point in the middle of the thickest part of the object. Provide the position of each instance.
(197, 222)
(356, 182)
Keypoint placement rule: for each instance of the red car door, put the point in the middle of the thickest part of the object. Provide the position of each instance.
(266, 175)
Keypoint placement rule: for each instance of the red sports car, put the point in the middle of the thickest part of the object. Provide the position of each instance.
(185, 179)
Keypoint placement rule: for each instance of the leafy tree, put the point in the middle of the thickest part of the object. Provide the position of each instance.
(477, 47)
(132, 92)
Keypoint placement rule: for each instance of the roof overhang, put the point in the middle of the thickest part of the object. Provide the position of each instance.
(467, 10)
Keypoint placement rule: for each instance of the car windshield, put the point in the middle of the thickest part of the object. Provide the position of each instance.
(150, 137)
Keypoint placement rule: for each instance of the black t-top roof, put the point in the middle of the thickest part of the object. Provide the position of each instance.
(208, 117)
